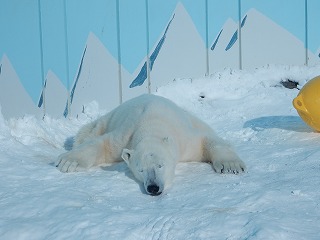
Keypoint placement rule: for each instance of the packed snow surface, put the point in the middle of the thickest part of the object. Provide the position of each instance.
(277, 198)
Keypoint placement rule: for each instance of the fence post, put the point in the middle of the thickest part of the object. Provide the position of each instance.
(41, 59)
(239, 37)
(148, 46)
(119, 51)
(67, 55)
(306, 32)
(207, 39)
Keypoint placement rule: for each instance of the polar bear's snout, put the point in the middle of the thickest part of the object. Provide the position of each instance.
(153, 190)
(152, 184)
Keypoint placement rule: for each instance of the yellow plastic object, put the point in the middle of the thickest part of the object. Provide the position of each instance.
(307, 103)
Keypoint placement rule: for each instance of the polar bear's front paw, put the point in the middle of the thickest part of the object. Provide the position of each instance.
(229, 166)
(68, 163)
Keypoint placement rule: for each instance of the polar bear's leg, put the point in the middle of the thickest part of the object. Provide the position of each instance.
(91, 130)
(90, 153)
(222, 156)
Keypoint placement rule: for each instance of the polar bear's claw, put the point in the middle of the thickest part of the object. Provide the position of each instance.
(65, 164)
(70, 162)
(235, 166)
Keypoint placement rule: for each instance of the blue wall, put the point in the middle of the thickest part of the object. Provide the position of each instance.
(42, 35)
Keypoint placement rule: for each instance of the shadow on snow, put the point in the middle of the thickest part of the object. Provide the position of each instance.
(290, 123)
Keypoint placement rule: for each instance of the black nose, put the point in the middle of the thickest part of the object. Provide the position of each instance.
(153, 190)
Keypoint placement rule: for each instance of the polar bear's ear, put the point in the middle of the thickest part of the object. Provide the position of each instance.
(126, 154)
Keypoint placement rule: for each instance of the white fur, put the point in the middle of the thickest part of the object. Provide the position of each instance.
(151, 134)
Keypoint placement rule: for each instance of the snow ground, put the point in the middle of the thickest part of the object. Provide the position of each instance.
(278, 197)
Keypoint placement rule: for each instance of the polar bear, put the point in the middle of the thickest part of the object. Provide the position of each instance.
(151, 134)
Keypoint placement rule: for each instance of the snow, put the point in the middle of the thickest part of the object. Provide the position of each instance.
(277, 198)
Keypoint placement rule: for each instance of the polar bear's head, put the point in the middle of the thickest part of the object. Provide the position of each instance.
(153, 166)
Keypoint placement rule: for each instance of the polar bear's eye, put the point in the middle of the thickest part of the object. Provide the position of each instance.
(141, 170)
(160, 166)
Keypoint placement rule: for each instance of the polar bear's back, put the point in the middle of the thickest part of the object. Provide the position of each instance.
(155, 112)
(134, 112)
(149, 112)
